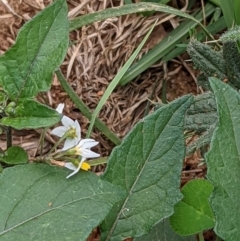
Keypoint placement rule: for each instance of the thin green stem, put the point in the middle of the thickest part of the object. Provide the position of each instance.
(57, 143)
(164, 91)
(98, 161)
(200, 235)
(85, 110)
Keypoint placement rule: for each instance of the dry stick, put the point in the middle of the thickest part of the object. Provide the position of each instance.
(85, 110)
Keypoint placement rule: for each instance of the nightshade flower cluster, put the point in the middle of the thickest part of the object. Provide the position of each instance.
(70, 131)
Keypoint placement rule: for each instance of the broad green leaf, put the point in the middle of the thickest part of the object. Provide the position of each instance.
(38, 203)
(31, 114)
(223, 162)
(148, 166)
(193, 213)
(15, 155)
(163, 232)
(27, 67)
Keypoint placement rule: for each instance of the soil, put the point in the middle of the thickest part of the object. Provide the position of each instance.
(90, 66)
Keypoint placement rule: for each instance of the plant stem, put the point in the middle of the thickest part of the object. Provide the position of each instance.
(57, 143)
(200, 235)
(164, 91)
(85, 110)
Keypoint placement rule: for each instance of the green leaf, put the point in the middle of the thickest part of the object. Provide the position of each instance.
(193, 213)
(38, 203)
(223, 162)
(227, 8)
(207, 60)
(231, 35)
(213, 28)
(15, 155)
(202, 114)
(148, 166)
(31, 114)
(127, 9)
(27, 68)
(236, 12)
(163, 232)
(232, 59)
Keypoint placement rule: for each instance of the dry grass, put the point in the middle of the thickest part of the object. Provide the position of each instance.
(96, 54)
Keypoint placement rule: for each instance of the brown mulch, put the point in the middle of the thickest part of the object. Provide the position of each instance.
(97, 52)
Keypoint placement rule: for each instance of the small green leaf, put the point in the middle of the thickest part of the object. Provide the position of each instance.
(163, 232)
(231, 35)
(223, 162)
(15, 155)
(31, 114)
(193, 213)
(38, 203)
(147, 164)
(27, 67)
(206, 59)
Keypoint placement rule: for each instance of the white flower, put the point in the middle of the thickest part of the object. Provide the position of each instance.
(68, 124)
(82, 149)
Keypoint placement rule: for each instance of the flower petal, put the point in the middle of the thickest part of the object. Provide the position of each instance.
(78, 131)
(68, 122)
(60, 108)
(87, 143)
(59, 131)
(70, 165)
(69, 143)
(74, 172)
(86, 153)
